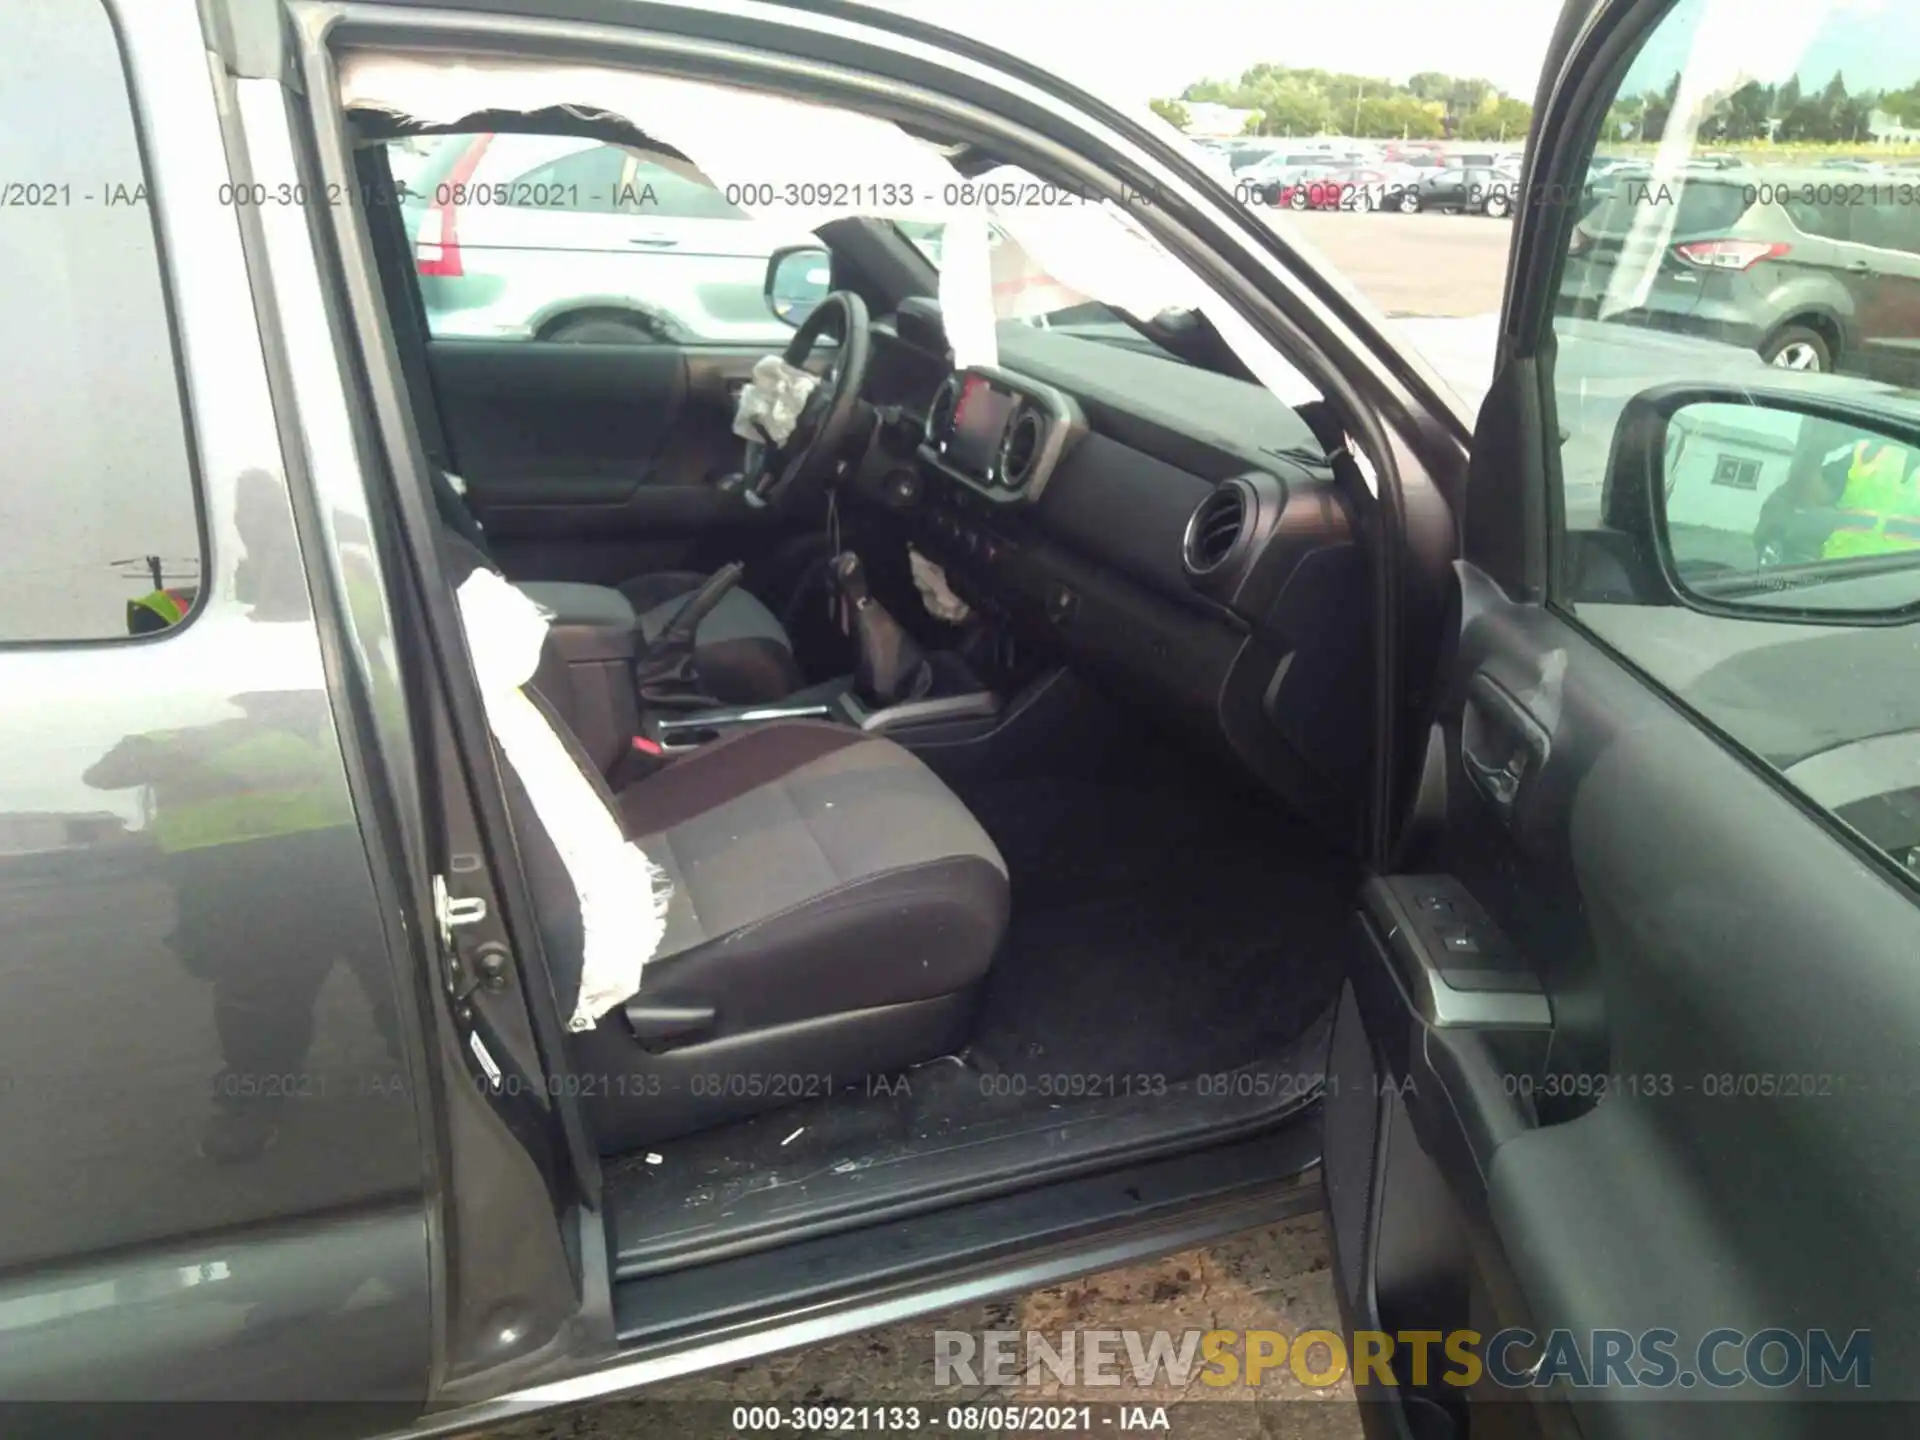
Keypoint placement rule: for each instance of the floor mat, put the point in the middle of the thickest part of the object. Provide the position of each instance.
(1169, 923)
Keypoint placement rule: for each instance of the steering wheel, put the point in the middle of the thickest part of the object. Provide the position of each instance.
(776, 472)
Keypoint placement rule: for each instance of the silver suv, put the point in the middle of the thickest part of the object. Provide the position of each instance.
(1815, 270)
(554, 237)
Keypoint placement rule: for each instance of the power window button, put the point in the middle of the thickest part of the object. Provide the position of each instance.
(1457, 940)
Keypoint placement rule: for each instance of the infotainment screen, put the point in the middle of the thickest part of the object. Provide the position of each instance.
(979, 422)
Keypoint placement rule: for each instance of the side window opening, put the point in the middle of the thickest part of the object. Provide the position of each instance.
(539, 237)
(1757, 295)
(100, 534)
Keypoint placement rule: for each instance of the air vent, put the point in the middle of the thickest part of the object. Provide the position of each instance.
(1020, 450)
(1218, 528)
(940, 413)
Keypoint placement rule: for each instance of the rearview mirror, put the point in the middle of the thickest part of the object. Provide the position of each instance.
(798, 279)
(1775, 503)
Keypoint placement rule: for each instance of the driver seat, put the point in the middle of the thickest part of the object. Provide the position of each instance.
(741, 652)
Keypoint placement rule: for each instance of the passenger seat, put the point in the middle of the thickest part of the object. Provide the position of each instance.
(835, 907)
(834, 910)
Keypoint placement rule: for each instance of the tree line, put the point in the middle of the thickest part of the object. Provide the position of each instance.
(1437, 106)
(1784, 113)
(1429, 106)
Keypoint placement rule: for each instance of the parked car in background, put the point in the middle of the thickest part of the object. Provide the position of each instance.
(1811, 272)
(410, 157)
(1243, 155)
(1270, 181)
(487, 211)
(1342, 187)
(1458, 190)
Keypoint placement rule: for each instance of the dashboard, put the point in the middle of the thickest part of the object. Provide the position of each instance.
(1175, 534)
(998, 433)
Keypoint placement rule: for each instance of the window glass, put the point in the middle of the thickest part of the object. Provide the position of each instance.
(655, 190)
(585, 180)
(1789, 287)
(1827, 222)
(1888, 225)
(546, 237)
(99, 527)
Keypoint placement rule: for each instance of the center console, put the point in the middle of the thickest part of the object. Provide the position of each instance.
(957, 705)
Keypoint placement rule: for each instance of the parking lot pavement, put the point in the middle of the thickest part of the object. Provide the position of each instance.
(1277, 1278)
(1411, 264)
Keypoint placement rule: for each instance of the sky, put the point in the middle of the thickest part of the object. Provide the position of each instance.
(1141, 49)
(1138, 50)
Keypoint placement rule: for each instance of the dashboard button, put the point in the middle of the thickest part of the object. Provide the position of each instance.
(903, 488)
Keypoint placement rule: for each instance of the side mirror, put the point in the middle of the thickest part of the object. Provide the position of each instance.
(798, 279)
(1775, 504)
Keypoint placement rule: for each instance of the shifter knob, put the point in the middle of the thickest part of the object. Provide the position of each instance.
(891, 667)
(851, 576)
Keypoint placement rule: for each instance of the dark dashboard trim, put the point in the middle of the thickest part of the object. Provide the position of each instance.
(1064, 424)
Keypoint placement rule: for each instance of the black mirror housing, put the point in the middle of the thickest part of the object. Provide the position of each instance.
(798, 278)
(1779, 503)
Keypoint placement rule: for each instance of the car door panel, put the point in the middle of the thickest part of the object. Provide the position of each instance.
(1681, 940)
(1710, 1069)
(597, 462)
(536, 424)
(1712, 1131)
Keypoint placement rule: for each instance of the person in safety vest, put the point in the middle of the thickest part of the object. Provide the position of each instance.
(158, 610)
(259, 842)
(1846, 494)
(1878, 509)
(255, 829)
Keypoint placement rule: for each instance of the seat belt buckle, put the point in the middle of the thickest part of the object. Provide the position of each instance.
(644, 756)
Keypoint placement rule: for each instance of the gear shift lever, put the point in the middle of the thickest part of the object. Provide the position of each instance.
(892, 666)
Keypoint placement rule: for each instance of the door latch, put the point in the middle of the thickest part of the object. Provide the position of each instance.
(452, 913)
(492, 963)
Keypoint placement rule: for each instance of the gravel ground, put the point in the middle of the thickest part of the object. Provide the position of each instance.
(1271, 1279)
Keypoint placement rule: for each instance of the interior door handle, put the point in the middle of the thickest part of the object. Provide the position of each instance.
(1500, 784)
(1501, 743)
